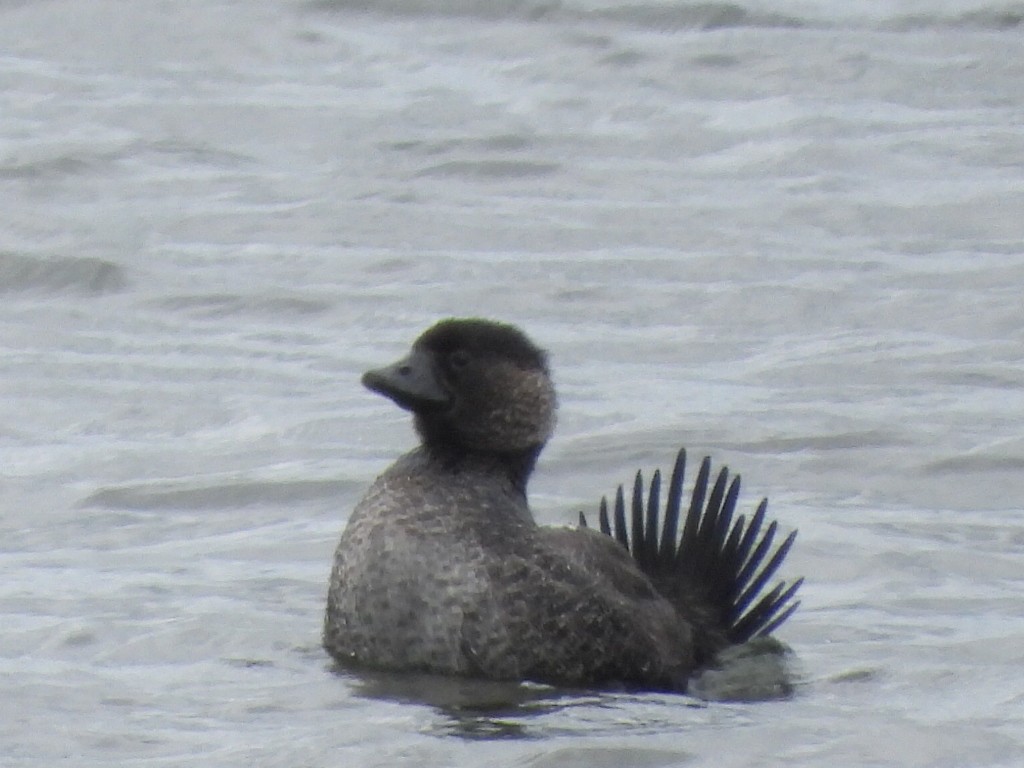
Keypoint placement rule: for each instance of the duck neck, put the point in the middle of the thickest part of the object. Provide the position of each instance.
(517, 466)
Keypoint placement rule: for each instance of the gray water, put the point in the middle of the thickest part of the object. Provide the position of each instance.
(789, 235)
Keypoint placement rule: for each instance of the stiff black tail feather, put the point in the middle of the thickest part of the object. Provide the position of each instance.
(725, 564)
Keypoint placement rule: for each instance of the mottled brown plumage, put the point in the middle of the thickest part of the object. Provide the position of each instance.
(442, 568)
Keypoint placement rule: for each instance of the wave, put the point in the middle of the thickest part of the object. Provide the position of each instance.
(216, 305)
(992, 19)
(656, 15)
(227, 495)
(669, 15)
(59, 274)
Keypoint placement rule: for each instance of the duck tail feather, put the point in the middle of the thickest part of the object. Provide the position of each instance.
(687, 543)
(674, 503)
(606, 526)
(755, 583)
(706, 549)
(620, 518)
(653, 522)
(721, 561)
(637, 519)
(769, 612)
(602, 518)
(781, 617)
(721, 565)
(749, 539)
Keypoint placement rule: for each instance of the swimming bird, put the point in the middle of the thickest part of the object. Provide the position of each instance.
(443, 569)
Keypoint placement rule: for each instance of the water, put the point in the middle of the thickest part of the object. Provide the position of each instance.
(784, 234)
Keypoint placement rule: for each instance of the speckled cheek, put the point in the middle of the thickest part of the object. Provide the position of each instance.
(516, 410)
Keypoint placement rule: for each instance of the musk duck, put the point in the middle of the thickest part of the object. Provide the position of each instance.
(443, 569)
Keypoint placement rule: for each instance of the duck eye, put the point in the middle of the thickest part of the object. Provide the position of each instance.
(458, 359)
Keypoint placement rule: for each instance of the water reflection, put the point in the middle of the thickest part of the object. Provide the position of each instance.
(474, 709)
(471, 708)
(479, 710)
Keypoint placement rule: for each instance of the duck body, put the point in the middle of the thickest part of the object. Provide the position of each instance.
(446, 571)
(442, 567)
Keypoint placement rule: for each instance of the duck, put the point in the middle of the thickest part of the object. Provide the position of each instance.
(443, 569)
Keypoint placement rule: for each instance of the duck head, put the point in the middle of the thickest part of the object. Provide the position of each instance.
(474, 386)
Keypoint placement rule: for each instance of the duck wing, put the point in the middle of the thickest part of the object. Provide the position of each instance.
(718, 566)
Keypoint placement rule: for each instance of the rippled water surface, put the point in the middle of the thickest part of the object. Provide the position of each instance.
(788, 235)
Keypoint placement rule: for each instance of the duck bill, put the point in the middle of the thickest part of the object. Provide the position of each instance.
(412, 383)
